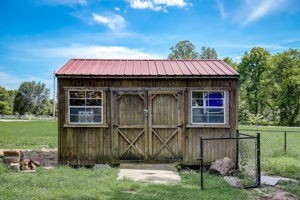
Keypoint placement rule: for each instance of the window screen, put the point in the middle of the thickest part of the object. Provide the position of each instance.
(85, 106)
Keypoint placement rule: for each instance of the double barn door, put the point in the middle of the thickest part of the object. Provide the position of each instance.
(147, 126)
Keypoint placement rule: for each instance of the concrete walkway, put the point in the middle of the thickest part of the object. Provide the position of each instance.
(150, 173)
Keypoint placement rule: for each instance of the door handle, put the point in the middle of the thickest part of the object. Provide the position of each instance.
(180, 126)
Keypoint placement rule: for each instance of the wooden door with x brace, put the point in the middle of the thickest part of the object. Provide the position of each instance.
(165, 125)
(147, 127)
(129, 118)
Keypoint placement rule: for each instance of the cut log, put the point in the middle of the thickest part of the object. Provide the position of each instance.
(11, 153)
(11, 159)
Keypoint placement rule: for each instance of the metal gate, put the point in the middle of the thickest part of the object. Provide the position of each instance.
(243, 149)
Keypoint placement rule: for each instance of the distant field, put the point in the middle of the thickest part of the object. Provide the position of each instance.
(274, 159)
(28, 134)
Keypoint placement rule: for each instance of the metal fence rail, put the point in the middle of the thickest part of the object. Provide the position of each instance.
(285, 134)
(244, 149)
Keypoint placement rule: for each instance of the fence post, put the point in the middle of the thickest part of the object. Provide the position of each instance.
(258, 159)
(237, 149)
(201, 164)
(284, 141)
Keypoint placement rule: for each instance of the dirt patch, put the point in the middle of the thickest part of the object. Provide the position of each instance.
(272, 193)
(46, 157)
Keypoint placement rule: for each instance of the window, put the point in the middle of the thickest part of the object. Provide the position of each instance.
(85, 106)
(208, 107)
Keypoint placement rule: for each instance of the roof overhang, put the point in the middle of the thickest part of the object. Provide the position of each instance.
(149, 77)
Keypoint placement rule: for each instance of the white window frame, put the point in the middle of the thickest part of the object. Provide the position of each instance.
(69, 106)
(204, 106)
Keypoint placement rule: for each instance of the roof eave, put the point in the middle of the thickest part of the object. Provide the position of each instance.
(147, 77)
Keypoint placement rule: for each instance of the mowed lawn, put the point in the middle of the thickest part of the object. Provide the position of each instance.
(69, 183)
(28, 134)
(43, 134)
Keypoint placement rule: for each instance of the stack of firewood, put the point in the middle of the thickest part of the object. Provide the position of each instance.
(15, 160)
(12, 159)
(29, 164)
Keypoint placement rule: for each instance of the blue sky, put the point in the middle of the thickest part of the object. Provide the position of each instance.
(37, 37)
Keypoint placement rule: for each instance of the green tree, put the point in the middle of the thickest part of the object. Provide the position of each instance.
(32, 97)
(230, 62)
(5, 108)
(8, 97)
(208, 53)
(253, 76)
(285, 77)
(183, 50)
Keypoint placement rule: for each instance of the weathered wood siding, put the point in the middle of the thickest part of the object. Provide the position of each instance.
(88, 145)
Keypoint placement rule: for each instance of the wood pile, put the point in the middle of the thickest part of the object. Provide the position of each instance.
(15, 160)
(12, 159)
(29, 164)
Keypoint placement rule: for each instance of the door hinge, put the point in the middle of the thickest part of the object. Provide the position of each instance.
(115, 126)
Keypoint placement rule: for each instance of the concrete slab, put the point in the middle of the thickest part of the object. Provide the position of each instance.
(150, 173)
(268, 180)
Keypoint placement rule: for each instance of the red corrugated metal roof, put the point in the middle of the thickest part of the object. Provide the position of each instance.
(119, 67)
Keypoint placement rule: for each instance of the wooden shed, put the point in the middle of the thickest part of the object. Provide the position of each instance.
(112, 110)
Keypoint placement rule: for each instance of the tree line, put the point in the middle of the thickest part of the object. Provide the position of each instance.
(269, 92)
(30, 98)
(269, 85)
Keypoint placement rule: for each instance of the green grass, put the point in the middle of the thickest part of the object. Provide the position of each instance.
(274, 159)
(39, 134)
(69, 183)
(86, 184)
(28, 134)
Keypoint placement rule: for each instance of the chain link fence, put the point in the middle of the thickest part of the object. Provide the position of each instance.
(277, 142)
(231, 160)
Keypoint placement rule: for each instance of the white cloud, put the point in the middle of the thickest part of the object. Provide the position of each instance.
(92, 51)
(178, 3)
(156, 5)
(221, 9)
(112, 21)
(65, 2)
(116, 8)
(257, 9)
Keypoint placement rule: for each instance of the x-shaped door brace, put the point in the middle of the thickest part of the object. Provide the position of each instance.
(164, 143)
(131, 144)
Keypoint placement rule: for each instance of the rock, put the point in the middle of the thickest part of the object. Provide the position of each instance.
(222, 166)
(235, 182)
